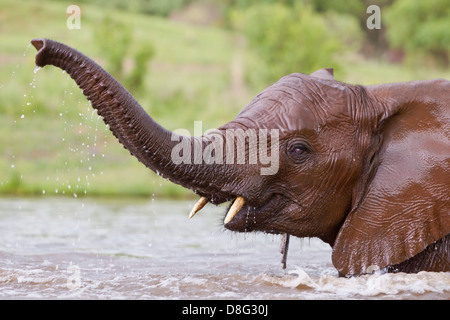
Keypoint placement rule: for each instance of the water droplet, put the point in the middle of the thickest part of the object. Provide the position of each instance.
(12, 166)
(22, 116)
(26, 50)
(36, 69)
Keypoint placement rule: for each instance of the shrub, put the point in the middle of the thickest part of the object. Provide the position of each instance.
(115, 39)
(286, 40)
(421, 28)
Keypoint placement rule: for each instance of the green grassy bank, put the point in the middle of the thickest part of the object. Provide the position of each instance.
(51, 142)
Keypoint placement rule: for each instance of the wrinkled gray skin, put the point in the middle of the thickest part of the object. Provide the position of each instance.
(365, 169)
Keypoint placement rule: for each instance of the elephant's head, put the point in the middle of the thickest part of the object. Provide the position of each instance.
(366, 169)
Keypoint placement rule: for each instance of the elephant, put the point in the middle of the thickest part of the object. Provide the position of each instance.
(365, 169)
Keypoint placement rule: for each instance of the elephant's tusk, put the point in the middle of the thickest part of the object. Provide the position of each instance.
(237, 205)
(198, 206)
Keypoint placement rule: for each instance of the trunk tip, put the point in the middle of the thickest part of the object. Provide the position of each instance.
(38, 43)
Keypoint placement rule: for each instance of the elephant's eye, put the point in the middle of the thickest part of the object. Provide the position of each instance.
(297, 151)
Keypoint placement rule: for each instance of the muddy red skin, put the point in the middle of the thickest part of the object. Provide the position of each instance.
(364, 168)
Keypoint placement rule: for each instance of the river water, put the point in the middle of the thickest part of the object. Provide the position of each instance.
(64, 248)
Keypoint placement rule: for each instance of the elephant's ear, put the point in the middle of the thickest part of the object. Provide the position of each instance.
(325, 73)
(405, 204)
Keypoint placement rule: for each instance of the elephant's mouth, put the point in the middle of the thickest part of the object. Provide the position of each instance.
(243, 215)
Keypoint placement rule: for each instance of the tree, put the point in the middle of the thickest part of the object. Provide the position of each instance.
(112, 32)
(420, 28)
(286, 40)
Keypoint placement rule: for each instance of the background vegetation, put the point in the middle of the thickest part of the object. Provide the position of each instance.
(184, 60)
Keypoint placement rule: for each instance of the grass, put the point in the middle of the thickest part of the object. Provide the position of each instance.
(51, 142)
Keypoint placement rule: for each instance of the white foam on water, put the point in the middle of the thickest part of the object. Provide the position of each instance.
(68, 248)
(374, 285)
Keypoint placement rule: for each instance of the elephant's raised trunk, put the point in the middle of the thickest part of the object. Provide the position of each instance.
(150, 143)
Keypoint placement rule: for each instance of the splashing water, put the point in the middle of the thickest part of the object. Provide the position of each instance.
(139, 249)
(60, 180)
(26, 49)
(376, 285)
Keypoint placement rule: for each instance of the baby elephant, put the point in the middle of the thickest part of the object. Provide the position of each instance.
(364, 168)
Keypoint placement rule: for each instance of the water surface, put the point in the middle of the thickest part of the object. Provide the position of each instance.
(63, 248)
